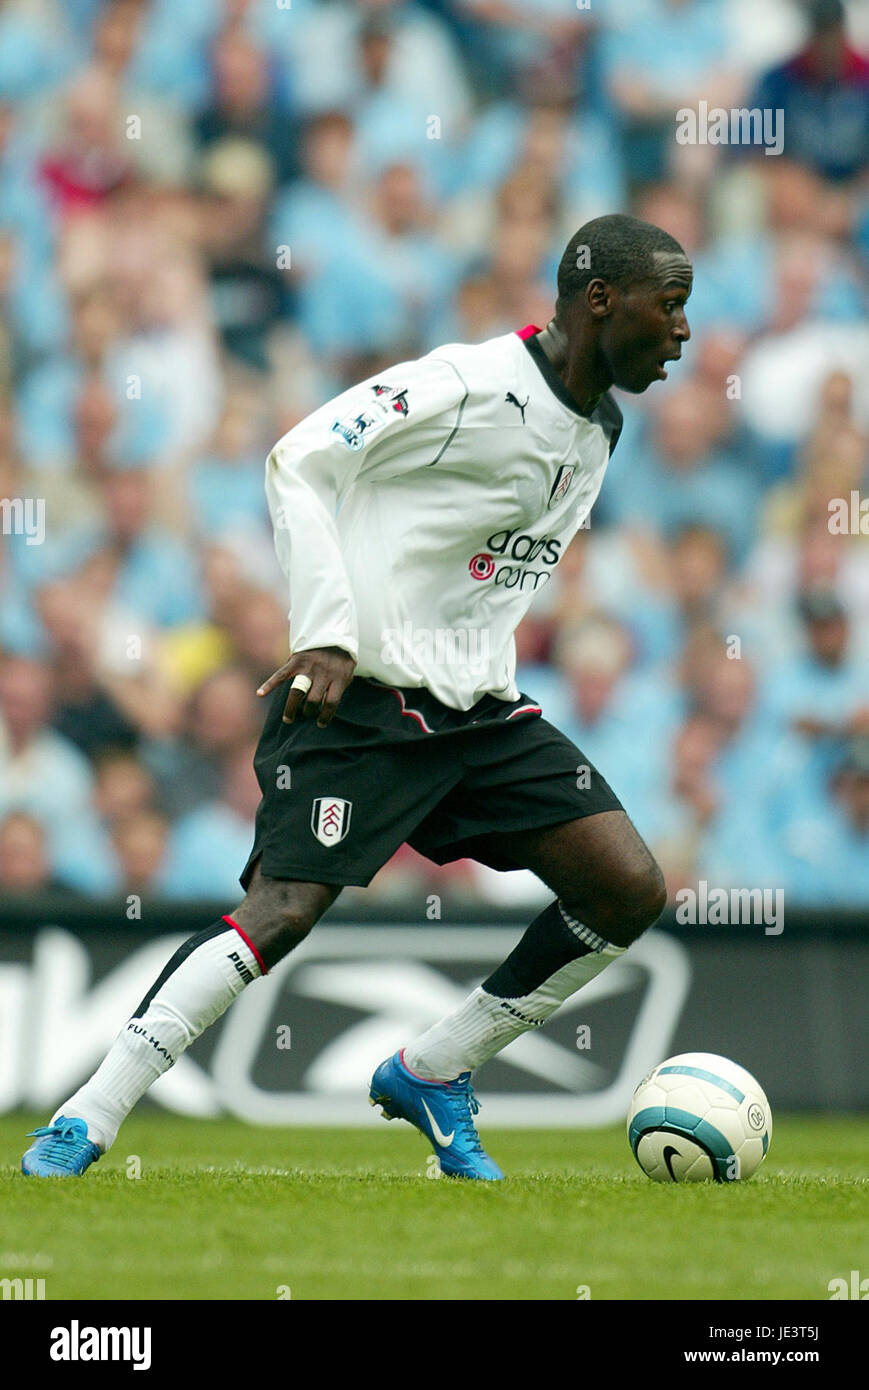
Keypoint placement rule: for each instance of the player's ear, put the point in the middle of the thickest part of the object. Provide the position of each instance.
(599, 297)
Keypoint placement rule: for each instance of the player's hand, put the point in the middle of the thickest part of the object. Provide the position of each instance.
(330, 671)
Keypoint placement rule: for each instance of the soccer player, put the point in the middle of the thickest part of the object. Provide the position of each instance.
(415, 517)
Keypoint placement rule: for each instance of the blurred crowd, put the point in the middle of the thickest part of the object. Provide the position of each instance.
(215, 215)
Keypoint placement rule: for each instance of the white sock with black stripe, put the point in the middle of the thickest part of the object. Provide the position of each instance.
(198, 984)
(556, 957)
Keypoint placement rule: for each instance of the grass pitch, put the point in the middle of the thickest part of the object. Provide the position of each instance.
(224, 1211)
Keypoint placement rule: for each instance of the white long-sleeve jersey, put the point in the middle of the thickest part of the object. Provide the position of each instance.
(417, 514)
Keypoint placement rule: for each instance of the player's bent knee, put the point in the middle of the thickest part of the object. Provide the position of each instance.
(645, 897)
(654, 894)
(628, 906)
(278, 914)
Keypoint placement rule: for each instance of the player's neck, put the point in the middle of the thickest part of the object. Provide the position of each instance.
(553, 341)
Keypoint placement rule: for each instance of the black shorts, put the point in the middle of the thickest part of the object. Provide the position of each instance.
(397, 766)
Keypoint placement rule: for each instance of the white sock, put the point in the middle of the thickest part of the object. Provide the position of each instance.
(199, 983)
(485, 1023)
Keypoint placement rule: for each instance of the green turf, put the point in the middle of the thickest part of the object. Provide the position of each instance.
(225, 1211)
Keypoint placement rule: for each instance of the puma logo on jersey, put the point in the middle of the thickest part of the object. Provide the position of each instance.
(520, 405)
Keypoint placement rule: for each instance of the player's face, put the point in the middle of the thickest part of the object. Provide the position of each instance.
(647, 326)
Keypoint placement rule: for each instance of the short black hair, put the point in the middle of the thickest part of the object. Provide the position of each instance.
(620, 249)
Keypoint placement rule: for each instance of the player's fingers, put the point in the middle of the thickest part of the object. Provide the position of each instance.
(315, 696)
(329, 705)
(301, 687)
(273, 680)
(295, 700)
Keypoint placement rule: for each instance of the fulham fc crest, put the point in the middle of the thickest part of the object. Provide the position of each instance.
(330, 819)
(563, 479)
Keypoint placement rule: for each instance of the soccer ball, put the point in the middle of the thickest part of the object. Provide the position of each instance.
(698, 1117)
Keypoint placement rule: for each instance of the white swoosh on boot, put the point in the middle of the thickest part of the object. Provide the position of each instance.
(440, 1138)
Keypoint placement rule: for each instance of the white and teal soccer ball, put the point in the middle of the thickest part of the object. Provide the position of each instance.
(698, 1117)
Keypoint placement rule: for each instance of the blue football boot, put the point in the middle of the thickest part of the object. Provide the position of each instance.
(62, 1150)
(442, 1111)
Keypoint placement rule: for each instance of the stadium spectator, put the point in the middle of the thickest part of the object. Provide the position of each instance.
(247, 103)
(45, 775)
(394, 126)
(681, 809)
(123, 786)
(685, 473)
(222, 716)
(824, 833)
(823, 92)
(503, 40)
(84, 711)
(147, 570)
(657, 59)
(206, 842)
(739, 844)
(314, 215)
(256, 627)
(423, 63)
(593, 656)
(139, 842)
(246, 287)
(88, 161)
(820, 693)
(24, 863)
(225, 484)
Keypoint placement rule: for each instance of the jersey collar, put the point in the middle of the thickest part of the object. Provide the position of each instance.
(528, 336)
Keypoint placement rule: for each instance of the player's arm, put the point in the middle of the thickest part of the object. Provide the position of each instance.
(308, 473)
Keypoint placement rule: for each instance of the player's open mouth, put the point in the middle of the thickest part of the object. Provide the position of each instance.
(662, 361)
